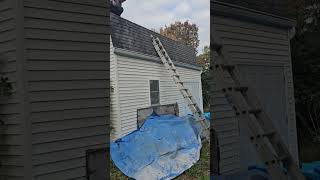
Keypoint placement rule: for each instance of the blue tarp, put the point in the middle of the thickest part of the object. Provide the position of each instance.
(163, 148)
(311, 170)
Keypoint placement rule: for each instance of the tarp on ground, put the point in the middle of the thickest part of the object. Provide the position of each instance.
(163, 148)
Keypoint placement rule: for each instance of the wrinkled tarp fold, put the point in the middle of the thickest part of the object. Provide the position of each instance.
(163, 148)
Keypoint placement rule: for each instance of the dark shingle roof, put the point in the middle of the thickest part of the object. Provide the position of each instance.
(130, 36)
(276, 7)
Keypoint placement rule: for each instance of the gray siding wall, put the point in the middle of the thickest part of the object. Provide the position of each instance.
(11, 138)
(66, 50)
(263, 56)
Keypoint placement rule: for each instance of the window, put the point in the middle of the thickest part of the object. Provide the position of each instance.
(154, 92)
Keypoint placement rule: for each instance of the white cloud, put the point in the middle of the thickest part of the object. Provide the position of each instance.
(157, 13)
(183, 8)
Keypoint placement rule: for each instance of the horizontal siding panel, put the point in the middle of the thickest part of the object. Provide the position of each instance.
(67, 174)
(11, 119)
(5, 4)
(6, 14)
(251, 38)
(221, 108)
(250, 44)
(67, 7)
(11, 139)
(7, 35)
(38, 65)
(59, 166)
(67, 85)
(64, 16)
(257, 56)
(45, 137)
(62, 55)
(248, 25)
(58, 25)
(61, 155)
(13, 172)
(68, 104)
(230, 161)
(248, 31)
(10, 108)
(72, 75)
(7, 45)
(53, 126)
(44, 34)
(62, 115)
(66, 45)
(8, 67)
(88, 3)
(231, 147)
(11, 150)
(7, 25)
(229, 168)
(11, 129)
(69, 144)
(228, 141)
(41, 96)
(133, 98)
(252, 50)
(11, 160)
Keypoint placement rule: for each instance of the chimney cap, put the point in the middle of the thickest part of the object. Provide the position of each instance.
(116, 6)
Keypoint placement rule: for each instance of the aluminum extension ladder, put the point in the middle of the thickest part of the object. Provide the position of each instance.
(166, 60)
(267, 141)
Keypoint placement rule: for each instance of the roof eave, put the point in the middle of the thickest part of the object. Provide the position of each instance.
(141, 56)
(239, 12)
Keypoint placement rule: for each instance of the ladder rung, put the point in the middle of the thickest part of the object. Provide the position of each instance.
(241, 89)
(224, 66)
(255, 111)
(259, 136)
(269, 134)
(283, 158)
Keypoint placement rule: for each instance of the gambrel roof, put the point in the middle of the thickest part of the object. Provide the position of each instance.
(133, 37)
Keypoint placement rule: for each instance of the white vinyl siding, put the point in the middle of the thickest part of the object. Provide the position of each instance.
(114, 95)
(134, 93)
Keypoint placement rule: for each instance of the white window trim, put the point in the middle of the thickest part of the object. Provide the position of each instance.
(148, 81)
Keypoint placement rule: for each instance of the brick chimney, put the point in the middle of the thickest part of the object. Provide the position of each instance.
(116, 6)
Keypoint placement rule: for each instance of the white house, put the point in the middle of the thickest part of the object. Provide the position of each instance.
(140, 80)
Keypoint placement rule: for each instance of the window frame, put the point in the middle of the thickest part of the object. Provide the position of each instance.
(149, 90)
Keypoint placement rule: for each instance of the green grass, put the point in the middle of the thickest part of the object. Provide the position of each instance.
(309, 151)
(199, 171)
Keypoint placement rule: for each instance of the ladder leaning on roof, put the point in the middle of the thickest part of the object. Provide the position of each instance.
(263, 134)
(166, 60)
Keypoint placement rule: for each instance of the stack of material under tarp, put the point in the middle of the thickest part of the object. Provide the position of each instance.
(163, 148)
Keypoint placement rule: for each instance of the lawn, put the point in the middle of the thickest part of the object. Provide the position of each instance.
(199, 171)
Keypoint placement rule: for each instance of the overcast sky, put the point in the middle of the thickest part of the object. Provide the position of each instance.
(158, 13)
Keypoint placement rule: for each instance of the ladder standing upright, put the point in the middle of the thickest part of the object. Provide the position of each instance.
(263, 134)
(166, 60)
